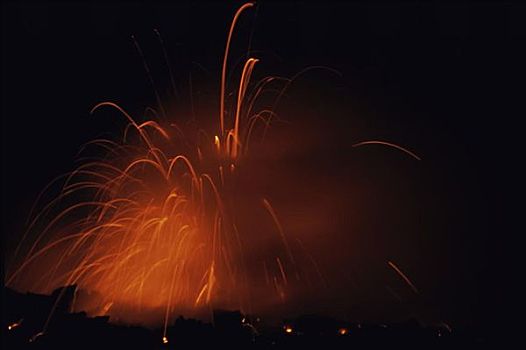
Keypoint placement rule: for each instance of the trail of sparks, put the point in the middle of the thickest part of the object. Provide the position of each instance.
(389, 144)
(404, 277)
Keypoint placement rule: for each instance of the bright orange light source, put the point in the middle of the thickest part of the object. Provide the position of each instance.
(217, 143)
(165, 340)
(343, 331)
(14, 325)
(288, 329)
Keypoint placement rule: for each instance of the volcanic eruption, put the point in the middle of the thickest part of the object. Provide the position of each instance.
(164, 218)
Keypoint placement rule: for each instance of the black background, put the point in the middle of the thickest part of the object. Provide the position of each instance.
(445, 79)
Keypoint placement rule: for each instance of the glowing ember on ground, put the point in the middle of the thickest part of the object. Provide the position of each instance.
(15, 324)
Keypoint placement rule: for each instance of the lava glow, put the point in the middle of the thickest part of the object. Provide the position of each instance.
(150, 225)
(153, 221)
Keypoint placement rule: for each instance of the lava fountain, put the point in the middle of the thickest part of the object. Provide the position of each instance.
(153, 225)
(153, 221)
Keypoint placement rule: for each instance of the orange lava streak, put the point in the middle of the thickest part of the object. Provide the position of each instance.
(384, 143)
(223, 72)
(245, 77)
(404, 277)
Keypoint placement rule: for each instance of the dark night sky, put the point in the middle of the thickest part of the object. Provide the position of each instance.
(444, 80)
